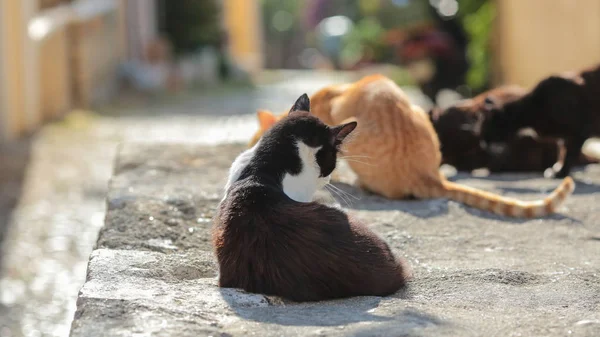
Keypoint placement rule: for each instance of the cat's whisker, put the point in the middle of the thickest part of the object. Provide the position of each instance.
(356, 156)
(343, 197)
(338, 194)
(350, 195)
(259, 188)
(360, 162)
(344, 192)
(331, 193)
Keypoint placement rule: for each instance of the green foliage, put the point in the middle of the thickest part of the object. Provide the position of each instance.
(395, 17)
(191, 24)
(280, 17)
(399, 75)
(477, 17)
(368, 30)
(364, 39)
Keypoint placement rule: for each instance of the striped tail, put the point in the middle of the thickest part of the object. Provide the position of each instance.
(508, 206)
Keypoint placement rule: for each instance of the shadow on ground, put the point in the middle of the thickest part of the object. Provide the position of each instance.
(581, 187)
(354, 197)
(340, 313)
(14, 158)
(328, 313)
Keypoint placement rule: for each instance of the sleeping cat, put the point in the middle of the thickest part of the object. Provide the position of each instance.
(566, 107)
(402, 149)
(462, 146)
(269, 236)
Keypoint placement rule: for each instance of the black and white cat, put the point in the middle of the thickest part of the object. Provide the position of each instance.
(269, 236)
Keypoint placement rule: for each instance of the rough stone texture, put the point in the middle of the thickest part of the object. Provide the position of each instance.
(53, 184)
(475, 274)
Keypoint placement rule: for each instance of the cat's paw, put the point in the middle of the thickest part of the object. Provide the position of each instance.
(552, 173)
(561, 174)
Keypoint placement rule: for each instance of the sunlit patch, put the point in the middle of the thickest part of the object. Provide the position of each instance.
(447, 8)
(335, 26)
(38, 28)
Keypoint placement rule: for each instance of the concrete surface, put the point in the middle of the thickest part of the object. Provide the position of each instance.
(475, 274)
(53, 184)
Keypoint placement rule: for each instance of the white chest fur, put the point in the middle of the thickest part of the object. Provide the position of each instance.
(302, 187)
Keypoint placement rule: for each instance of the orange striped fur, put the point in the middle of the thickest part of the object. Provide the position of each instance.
(396, 150)
(503, 205)
(266, 119)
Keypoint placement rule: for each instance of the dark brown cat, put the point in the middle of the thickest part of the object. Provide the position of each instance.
(462, 146)
(565, 107)
(269, 236)
(457, 128)
(524, 153)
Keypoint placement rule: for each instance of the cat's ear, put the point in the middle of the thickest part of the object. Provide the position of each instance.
(340, 132)
(266, 119)
(302, 104)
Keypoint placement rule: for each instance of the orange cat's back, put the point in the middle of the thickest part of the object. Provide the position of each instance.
(395, 149)
(394, 140)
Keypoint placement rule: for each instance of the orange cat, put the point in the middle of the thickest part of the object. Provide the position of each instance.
(266, 119)
(402, 149)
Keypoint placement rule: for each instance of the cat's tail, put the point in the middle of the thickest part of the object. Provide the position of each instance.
(508, 206)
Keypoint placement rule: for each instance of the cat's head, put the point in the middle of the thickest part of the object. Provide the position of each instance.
(457, 128)
(266, 119)
(323, 100)
(499, 109)
(498, 125)
(321, 103)
(304, 148)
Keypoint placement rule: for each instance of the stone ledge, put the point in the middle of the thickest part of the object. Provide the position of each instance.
(153, 271)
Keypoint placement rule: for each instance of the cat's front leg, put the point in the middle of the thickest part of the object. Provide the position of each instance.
(573, 147)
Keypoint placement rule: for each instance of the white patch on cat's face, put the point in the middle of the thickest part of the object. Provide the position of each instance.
(238, 165)
(302, 187)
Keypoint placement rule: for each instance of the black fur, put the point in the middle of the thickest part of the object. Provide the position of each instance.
(302, 104)
(267, 243)
(565, 107)
(277, 153)
(462, 145)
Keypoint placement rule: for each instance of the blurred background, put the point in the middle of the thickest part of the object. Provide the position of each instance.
(77, 77)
